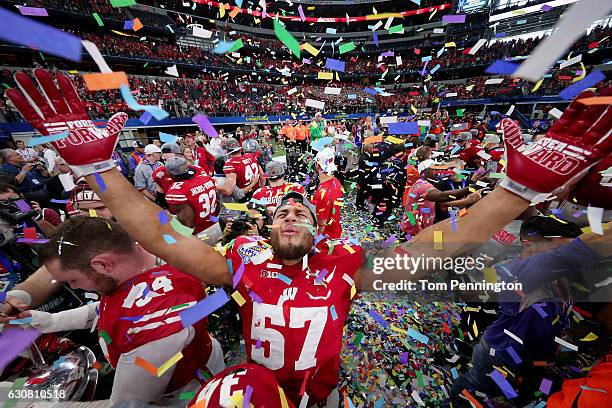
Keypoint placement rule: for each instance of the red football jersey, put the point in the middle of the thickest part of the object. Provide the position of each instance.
(146, 309)
(470, 152)
(204, 159)
(328, 200)
(198, 192)
(272, 195)
(245, 167)
(233, 382)
(292, 324)
(164, 180)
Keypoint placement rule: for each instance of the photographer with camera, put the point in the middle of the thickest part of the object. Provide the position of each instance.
(28, 176)
(254, 222)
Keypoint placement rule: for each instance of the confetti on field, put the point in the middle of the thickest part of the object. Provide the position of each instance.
(503, 384)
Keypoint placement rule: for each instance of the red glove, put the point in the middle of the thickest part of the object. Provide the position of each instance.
(577, 141)
(51, 110)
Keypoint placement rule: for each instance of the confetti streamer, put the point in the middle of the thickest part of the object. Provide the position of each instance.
(477, 46)
(170, 240)
(332, 311)
(545, 385)
(204, 307)
(238, 298)
(33, 11)
(122, 3)
(575, 21)
(590, 80)
(169, 364)
(111, 80)
(335, 65)
(378, 318)
(236, 206)
(286, 38)
(13, 342)
(403, 128)
(418, 336)
(503, 384)
(438, 241)
(157, 112)
(180, 228)
(284, 278)
(566, 344)
(454, 18)
(595, 217)
(513, 336)
(344, 48)
(205, 125)
(501, 67)
(150, 368)
(167, 138)
(38, 140)
(32, 34)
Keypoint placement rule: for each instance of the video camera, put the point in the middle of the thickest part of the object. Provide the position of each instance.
(15, 211)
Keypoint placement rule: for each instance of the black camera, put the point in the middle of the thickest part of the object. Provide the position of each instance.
(240, 224)
(15, 211)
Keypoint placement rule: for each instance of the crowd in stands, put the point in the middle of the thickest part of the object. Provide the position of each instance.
(364, 64)
(103, 8)
(185, 97)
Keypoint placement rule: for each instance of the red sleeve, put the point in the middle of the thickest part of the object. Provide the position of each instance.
(229, 168)
(176, 196)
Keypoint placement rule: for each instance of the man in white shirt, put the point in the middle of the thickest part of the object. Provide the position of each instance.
(48, 155)
(28, 154)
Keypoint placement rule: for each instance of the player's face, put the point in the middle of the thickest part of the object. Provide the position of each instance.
(291, 241)
(77, 279)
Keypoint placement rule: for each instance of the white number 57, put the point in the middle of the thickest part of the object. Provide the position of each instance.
(298, 316)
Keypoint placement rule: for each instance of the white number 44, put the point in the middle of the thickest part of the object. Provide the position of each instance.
(298, 316)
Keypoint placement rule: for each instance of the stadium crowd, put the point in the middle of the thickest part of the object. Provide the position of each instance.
(227, 189)
(416, 253)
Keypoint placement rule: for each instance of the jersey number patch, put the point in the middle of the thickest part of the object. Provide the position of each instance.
(298, 316)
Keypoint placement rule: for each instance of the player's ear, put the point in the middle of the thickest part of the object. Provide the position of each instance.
(104, 263)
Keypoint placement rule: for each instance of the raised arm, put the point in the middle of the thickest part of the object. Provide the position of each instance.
(140, 218)
(553, 159)
(88, 150)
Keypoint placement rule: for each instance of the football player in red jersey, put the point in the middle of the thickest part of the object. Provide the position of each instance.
(328, 197)
(240, 171)
(277, 188)
(244, 382)
(161, 177)
(469, 149)
(138, 313)
(193, 198)
(310, 282)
